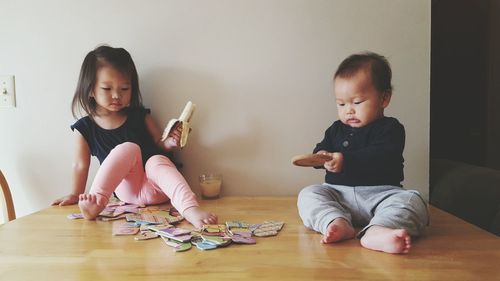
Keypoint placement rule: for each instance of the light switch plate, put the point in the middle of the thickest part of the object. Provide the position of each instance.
(7, 91)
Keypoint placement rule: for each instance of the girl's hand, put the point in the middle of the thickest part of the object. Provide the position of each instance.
(334, 165)
(174, 138)
(66, 200)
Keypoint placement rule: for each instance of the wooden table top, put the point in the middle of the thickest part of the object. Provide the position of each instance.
(48, 246)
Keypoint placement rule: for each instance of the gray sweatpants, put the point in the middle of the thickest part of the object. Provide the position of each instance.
(363, 206)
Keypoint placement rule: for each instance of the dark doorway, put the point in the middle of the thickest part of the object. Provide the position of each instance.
(460, 77)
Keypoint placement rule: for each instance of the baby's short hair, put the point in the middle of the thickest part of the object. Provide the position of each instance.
(377, 65)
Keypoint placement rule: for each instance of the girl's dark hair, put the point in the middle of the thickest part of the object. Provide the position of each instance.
(377, 65)
(117, 58)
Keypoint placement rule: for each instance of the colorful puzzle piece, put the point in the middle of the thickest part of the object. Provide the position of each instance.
(75, 216)
(236, 224)
(201, 244)
(177, 234)
(146, 219)
(178, 246)
(124, 229)
(218, 241)
(166, 214)
(243, 238)
(214, 229)
(114, 210)
(146, 235)
(268, 228)
(122, 216)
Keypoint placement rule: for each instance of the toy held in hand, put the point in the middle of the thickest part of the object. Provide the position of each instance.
(184, 119)
(311, 160)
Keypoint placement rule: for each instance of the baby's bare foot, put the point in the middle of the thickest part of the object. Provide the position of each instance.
(339, 229)
(394, 241)
(91, 205)
(197, 217)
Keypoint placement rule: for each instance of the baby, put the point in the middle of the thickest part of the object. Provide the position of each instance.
(363, 180)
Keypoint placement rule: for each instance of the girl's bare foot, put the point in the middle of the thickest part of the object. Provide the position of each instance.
(339, 229)
(394, 241)
(197, 217)
(91, 205)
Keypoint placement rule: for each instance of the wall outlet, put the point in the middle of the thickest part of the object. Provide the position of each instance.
(7, 91)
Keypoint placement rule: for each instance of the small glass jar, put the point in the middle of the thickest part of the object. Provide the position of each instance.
(210, 185)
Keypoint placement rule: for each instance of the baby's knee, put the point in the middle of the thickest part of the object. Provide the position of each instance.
(421, 210)
(309, 193)
(417, 213)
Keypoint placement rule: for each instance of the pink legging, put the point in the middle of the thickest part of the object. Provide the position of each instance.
(122, 172)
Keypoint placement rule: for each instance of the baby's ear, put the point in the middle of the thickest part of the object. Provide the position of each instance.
(386, 98)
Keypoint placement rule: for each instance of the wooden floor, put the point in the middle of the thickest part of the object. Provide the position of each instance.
(48, 246)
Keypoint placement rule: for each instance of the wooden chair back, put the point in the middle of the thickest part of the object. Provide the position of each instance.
(6, 200)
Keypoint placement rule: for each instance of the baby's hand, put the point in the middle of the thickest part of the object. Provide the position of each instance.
(174, 138)
(334, 165)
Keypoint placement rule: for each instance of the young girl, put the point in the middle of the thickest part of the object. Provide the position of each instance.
(121, 133)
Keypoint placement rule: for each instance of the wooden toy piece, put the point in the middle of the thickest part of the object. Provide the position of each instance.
(243, 238)
(218, 241)
(236, 224)
(311, 160)
(184, 120)
(117, 209)
(146, 219)
(172, 219)
(178, 246)
(122, 216)
(75, 216)
(214, 229)
(135, 209)
(201, 244)
(110, 212)
(146, 235)
(239, 230)
(177, 234)
(268, 228)
(124, 229)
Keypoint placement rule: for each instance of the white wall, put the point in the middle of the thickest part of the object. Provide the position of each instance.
(259, 71)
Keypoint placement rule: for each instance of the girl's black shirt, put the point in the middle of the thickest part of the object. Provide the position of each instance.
(101, 141)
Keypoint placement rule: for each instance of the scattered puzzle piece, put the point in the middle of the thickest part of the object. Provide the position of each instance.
(218, 241)
(166, 214)
(146, 219)
(236, 224)
(178, 246)
(125, 229)
(214, 229)
(201, 244)
(268, 228)
(146, 235)
(177, 234)
(240, 230)
(243, 238)
(75, 216)
(122, 216)
(112, 210)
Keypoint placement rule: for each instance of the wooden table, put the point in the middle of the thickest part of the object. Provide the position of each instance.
(48, 246)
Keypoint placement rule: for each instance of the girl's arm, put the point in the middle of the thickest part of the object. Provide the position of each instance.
(173, 140)
(81, 166)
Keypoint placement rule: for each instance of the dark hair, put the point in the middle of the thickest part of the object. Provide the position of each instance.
(377, 65)
(117, 58)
